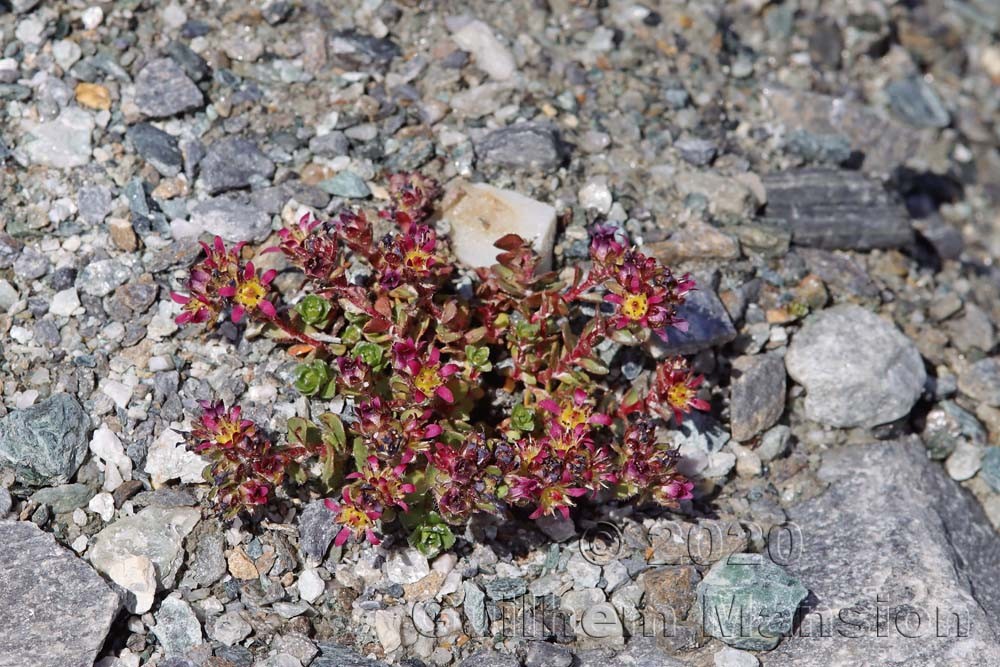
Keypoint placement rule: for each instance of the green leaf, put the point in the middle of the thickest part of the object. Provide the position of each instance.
(593, 366)
(311, 378)
(313, 309)
(522, 418)
(371, 353)
(333, 430)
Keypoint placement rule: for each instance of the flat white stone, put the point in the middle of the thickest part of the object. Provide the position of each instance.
(137, 575)
(491, 55)
(63, 142)
(169, 459)
(480, 214)
(64, 303)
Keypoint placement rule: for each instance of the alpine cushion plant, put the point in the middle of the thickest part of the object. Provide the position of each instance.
(459, 398)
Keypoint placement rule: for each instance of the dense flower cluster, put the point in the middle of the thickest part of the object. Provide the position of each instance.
(458, 401)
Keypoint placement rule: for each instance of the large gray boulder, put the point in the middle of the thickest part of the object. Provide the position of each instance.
(858, 368)
(56, 609)
(901, 563)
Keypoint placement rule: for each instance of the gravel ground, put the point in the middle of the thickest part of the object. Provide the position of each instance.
(829, 171)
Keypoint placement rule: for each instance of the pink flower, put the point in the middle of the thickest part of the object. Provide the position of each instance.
(354, 519)
(248, 293)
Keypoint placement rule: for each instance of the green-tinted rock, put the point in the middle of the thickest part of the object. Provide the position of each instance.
(346, 184)
(46, 443)
(990, 470)
(64, 498)
(748, 602)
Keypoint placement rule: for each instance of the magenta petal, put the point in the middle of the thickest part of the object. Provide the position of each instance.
(179, 298)
(549, 405)
(537, 513)
(267, 308)
(603, 420)
(614, 298)
(680, 325)
(432, 431)
(228, 291)
(268, 276)
(448, 370)
(445, 394)
(249, 271)
(342, 536)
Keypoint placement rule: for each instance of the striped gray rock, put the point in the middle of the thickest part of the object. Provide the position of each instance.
(57, 610)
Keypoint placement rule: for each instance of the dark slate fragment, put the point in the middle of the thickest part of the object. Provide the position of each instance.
(57, 610)
(163, 89)
(157, 148)
(337, 655)
(193, 64)
(233, 163)
(533, 146)
(316, 530)
(708, 325)
(354, 49)
(830, 208)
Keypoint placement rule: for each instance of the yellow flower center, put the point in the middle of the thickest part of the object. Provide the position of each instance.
(635, 306)
(428, 380)
(679, 395)
(417, 259)
(227, 430)
(353, 517)
(249, 293)
(572, 416)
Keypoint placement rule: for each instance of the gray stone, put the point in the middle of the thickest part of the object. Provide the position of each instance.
(316, 530)
(489, 658)
(830, 208)
(506, 588)
(234, 163)
(892, 539)
(156, 533)
(528, 146)
(177, 628)
(731, 657)
(990, 470)
(163, 89)
(708, 325)
(207, 563)
(774, 443)
(63, 142)
(981, 381)
(346, 184)
(749, 602)
(46, 443)
(757, 394)
(332, 144)
(916, 102)
(102, 277)
(474, 607)
(6, 502)
(229, 628)
(406, 566)
(857, 368)
(64, 498)
(544, 654)
(819, 148)
(93, 203)
(640, 652)
(157, 148)
(231, 218)
(361, 52)
(57, 609)
(31, 264)
(884, 143)
(698, 152)
(337, 655)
